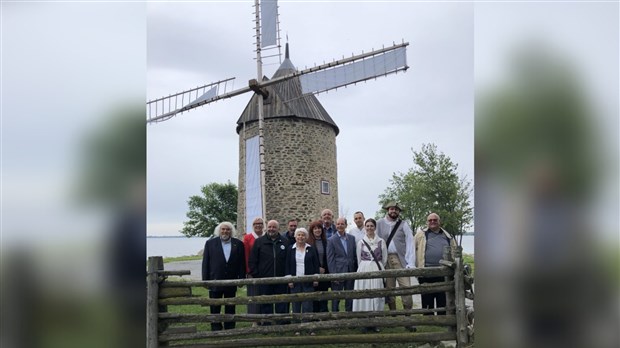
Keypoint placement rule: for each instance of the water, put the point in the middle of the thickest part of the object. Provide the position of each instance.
(467, 244)
(174, 246)
(183, 246)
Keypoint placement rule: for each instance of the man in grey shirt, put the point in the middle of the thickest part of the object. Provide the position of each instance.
(429, 245)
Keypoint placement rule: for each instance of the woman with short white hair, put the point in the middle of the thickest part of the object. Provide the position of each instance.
(301, 259)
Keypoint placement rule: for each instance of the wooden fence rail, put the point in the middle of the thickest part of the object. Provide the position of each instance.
(390, 273)
(207, 318)
(163, 328)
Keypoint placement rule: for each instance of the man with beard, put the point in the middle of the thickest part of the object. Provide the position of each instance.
(223, 258)
(290, 233)
(267, 259)
(398, 237)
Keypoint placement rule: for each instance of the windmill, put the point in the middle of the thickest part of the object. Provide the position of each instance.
(275, 93)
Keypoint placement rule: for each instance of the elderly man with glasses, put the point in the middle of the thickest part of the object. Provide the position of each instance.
(429, 245)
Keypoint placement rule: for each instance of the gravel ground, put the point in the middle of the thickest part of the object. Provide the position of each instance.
(194, 266)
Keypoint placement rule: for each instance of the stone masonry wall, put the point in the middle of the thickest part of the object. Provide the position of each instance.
(299, 153)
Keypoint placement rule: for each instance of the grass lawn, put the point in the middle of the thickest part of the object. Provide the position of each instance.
(468, 259)
(182, 258)
(196, 309)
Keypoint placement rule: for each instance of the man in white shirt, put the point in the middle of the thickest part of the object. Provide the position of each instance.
(358, 230)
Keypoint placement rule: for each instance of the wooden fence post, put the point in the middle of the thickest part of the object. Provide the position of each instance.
(459, 292)
(155, 264)
(447, 255)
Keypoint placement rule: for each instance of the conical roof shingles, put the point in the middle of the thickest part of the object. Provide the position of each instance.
(286, 100)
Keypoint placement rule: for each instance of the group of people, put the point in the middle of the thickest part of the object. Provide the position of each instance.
(325, 247)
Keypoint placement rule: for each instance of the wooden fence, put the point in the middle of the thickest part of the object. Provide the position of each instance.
(180, 330)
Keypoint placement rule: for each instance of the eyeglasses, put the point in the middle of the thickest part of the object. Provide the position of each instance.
(432, 220)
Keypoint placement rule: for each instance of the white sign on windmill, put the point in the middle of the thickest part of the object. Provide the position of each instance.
(288, 89)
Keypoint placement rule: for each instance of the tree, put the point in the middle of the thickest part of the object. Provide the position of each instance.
(432, 185)
(218, 203)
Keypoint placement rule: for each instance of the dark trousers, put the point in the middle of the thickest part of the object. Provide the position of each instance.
(321, 305)
(428, 300)
(253, 308)
(226, 292)
(304, 306)
(348, 303)
(273, 289)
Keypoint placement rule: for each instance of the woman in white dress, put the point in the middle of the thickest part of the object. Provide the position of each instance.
(366, 261)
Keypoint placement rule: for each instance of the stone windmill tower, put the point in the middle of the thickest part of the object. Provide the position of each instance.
(300, 152)
(287, 141)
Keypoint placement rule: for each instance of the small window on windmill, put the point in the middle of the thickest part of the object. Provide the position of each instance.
(324, 187)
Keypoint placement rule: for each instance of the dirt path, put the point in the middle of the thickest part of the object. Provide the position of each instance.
(194, 266)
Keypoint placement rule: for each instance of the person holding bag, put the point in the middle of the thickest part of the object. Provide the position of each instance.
(399, 240)
(371, 257)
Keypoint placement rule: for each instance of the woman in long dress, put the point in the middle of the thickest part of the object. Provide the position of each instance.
(366, 261)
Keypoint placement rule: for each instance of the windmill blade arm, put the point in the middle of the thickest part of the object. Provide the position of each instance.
(164, 108)
(317, 79)
(356, 69)
(354, 58)
(382, 62)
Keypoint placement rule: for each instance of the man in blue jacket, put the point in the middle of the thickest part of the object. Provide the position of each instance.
(342, 258)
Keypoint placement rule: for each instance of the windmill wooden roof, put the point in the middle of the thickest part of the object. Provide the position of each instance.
(286, 100)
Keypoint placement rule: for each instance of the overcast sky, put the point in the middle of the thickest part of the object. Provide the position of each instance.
(190, 44)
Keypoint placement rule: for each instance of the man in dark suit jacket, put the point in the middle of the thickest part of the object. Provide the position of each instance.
(223, 258)
(342, 258)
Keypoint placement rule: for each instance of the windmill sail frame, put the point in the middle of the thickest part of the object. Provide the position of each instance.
(399, 65)
(164, 108)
